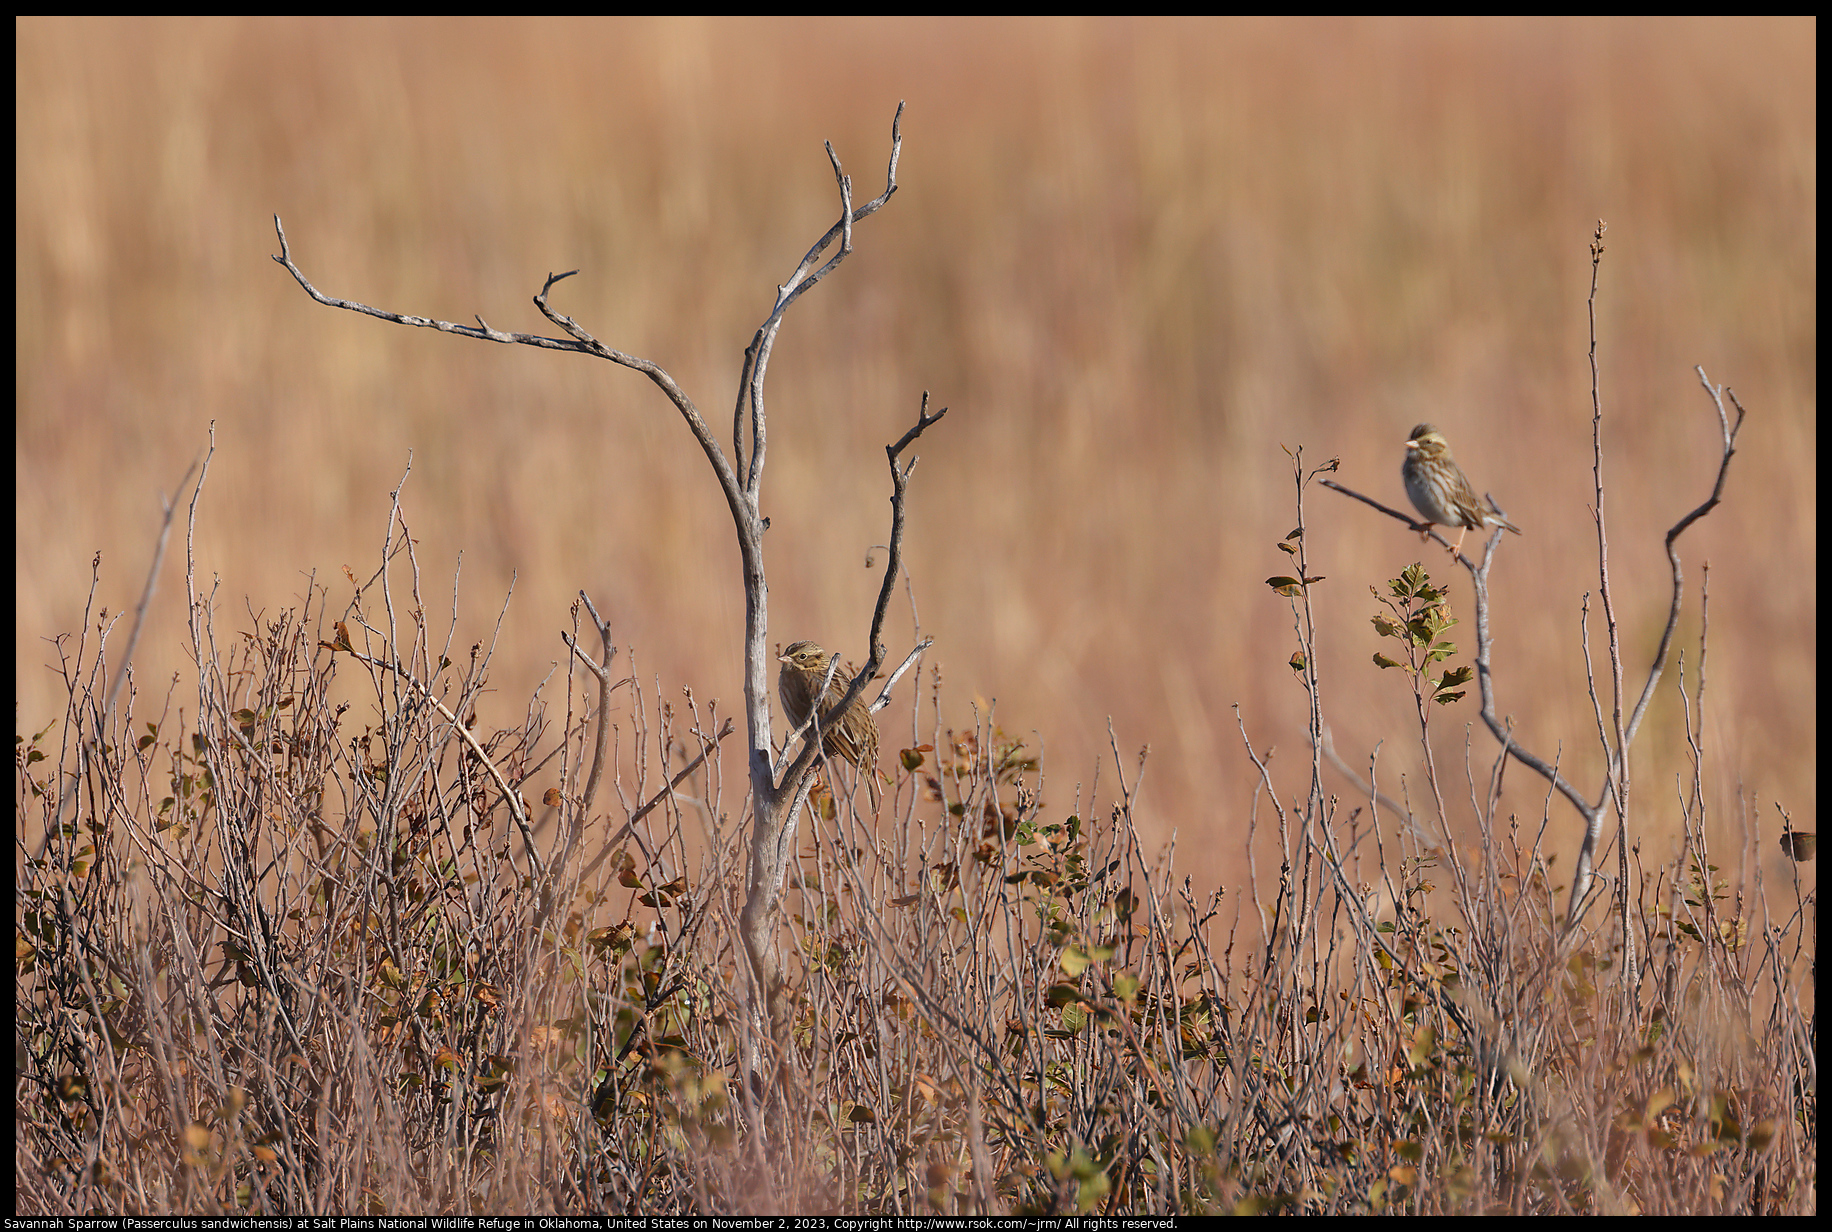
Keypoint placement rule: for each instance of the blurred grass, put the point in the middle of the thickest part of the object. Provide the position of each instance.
(1134, 257)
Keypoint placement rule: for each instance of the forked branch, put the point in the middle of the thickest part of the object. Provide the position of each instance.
(900, 479)
(773, 799)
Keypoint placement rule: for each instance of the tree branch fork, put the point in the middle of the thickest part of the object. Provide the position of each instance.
(778, 790)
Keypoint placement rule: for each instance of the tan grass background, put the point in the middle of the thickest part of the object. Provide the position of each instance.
(1134, 257)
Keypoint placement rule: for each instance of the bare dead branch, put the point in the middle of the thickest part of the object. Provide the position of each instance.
(1615, 776)
(557, 890)
(480, 331)
(900, 477)
(1615, 780)
(628, 828)
(884, 695)
(1728, 433)
(802, 280)
(601, 740)
(1423, 528)
(757, 355)
(1369, 500)
(517, 808)
(104, 716)
(170, 508)
(581, 342)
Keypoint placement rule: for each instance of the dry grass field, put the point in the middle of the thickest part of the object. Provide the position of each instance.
(1136, 259)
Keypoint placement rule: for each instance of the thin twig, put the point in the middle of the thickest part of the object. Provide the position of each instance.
(628, 827)
(516, 808)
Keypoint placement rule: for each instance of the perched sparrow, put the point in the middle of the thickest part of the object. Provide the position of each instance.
(1441, 491)
(854, 735)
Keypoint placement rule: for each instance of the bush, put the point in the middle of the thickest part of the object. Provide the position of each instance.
(288, 954)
